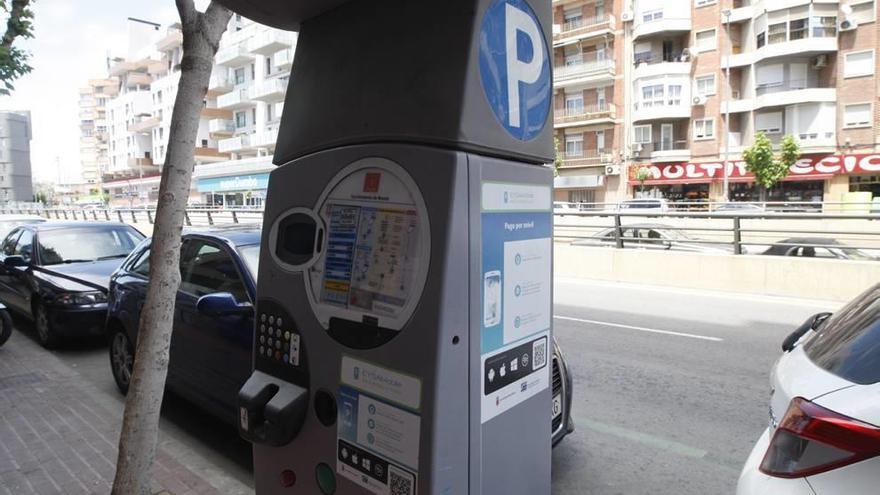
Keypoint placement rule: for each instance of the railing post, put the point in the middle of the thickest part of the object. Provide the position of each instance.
(186, 218)
(95, 215)
(133, 217)
(119, 213)
(107, 215)
(234, 217)
(618, 240)
(149, 217)
(74, 214)
(210, 218)
(737, 236)
(65, 214)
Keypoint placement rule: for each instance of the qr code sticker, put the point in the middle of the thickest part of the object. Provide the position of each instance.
(539, 354)
(400, 482)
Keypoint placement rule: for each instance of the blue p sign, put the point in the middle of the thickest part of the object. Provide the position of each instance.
(515, 67)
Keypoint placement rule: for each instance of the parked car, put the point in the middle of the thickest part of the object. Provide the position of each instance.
(563, 208)
(57, 273)
(739, 208)
(644, 205)
(211, 355)
(5, 325)
(652, 236)
(11, 221)
(824, 432)
(817, 247)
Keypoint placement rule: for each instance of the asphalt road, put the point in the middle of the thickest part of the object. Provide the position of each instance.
(670, 390)
(671, 386)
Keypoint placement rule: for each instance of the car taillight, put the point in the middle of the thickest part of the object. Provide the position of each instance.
(811, 440)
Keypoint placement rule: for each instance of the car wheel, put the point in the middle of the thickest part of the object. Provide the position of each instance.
(45, 334)
(6, 328)
(121, 360)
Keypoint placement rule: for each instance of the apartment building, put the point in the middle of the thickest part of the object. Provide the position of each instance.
(239, 119)
(15, 157)
(680, 88)
(94, 136)
(589, 93)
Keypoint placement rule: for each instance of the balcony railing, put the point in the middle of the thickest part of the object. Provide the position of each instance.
(584, 112)
(650, 59)
(143, 123)
(667, 145)
(234, 100)
(270, 42)
(585, 158)
(583, 25)
(283, 59)
(221, 126)
(584, 65)
(233, 55)
(790, 85)
(268, 90)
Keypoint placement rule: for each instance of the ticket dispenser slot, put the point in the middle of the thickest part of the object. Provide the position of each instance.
(298, 238)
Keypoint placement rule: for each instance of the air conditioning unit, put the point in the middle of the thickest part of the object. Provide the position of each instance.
(627, 16)
(820, 61)
(612, 170)
(606, 158)
(699, 100)
(637, 148)
(847, 24)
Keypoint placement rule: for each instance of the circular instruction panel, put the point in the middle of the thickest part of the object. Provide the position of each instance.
(373, 262)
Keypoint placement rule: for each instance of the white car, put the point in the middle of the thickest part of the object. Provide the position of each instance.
(824, 433)
(562, 208)
(644, 204)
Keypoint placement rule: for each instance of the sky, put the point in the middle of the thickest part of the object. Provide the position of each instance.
(72, 39)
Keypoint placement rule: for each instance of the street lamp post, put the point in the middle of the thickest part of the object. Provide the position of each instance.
(725, 194)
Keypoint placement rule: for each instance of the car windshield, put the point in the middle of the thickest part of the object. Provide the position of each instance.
(856, 254)
(640, 204)
(86, 244)
(251, 256)
(6, 226)
(848, 343)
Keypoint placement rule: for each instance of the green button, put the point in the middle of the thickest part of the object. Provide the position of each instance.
(326, 479)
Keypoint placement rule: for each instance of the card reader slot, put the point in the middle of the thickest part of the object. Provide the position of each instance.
(359, 335)
(297, 239)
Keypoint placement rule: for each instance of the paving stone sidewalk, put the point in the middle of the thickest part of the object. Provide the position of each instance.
(56, 436)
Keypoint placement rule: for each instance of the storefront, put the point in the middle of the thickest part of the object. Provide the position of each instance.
(814, 179)
(234, 192)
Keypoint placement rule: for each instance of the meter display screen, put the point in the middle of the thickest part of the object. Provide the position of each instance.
(373, 260)
(369, 258)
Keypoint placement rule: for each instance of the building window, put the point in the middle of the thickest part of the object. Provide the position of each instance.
(269, 112)
(582, 196)
(824, 26)
(253, 71)
(652, 96)
(268, 65)
(769, 123)
(776, 33)
(642, 134)
(797, 29)
(574, 103)
(703, 3)
(857, 115)
(239, 76)
(858, 64)
(706, 85)
(705, 40)
(863, 12)
(574, 145)
(652, 15)
(762, 39)
(704, 129)
(600, 140)
(573, 17)
(240, 119)
(674, 94)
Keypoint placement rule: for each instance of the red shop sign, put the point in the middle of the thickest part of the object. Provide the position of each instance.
(807, 168)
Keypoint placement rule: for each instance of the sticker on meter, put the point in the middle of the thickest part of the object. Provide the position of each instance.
(378, 444)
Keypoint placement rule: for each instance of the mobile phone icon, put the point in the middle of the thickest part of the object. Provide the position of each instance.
(492, 298)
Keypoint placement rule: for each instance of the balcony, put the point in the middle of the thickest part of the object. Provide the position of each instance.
(233, 56)
(235, 100)
(220, 84)
(821, 40)
(283, 60)
(88, 115)
(207, 154)
(135, 79)
(678, 108)
(582, 28)
(793, 91)
(667, 151)
(268, 90)
(143, 124)
(137, 163)
(221, 127)
(584, 69)
(812, 142)
(678, 64)
(586, 158)
(269, 42)
(215, 113)
(585, 115)
(172, 40)
(248, 142)
(667, 20)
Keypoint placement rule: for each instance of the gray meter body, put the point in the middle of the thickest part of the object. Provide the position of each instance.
(404, 309)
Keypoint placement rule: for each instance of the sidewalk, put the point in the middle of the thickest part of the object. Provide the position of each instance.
(56, 437)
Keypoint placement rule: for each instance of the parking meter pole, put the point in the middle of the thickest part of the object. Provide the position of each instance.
(404, 302)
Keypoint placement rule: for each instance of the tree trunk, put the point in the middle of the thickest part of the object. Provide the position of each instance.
(140, 426)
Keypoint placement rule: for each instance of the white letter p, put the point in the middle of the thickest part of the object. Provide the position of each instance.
(517, 71)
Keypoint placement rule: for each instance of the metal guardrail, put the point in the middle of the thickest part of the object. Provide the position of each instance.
(564, 207)
(847, 236)
(192, 217)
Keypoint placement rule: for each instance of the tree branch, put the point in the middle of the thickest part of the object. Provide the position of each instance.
(19, 23)
(214, 22)
(187, 11)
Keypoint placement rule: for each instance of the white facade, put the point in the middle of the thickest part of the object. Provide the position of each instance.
(15, 157)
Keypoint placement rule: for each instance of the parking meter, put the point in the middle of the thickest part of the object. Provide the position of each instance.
(404, 302)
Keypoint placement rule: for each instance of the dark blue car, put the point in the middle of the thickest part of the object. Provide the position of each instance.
(211, 343)
(213, 323)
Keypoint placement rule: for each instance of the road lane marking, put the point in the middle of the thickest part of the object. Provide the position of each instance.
(641, 329)
(642, 438)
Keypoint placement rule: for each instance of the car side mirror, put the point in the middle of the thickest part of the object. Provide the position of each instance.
(812, 323)
(14, 261)
(223, 304)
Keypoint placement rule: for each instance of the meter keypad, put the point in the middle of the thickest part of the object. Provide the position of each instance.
(277, 343)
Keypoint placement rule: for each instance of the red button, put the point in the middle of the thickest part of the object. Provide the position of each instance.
(288, 478)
